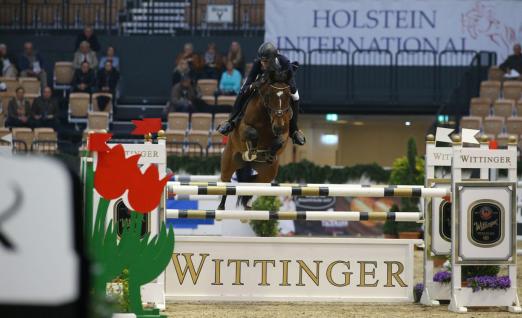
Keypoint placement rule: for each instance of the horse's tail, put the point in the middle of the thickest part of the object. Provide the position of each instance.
(245, 174)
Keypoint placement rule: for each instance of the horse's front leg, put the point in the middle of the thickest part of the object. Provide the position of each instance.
(276, 146)
(250, 136)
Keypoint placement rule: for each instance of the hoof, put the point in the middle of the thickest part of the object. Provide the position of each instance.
(247, 156)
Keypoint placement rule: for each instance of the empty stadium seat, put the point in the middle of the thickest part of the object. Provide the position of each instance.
(503, 107)
(178, 121)
(201, 121)
(200, 137)
(208, 87)
(209, 100)
(175, 140)
(78, 107)
(490, 89)
(480, 106)
(514, 126)
(493, 125)
(216, 144)
(471, 122)
(23, 138)
(512, 90)
(45, 140)
(518, 107)
(226, 100)
(31, 85)
(63, 75)
(31, 98)
(495, 74)
(219, 118)
(98, 120)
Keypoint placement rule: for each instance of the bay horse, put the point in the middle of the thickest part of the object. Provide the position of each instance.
(260, 137)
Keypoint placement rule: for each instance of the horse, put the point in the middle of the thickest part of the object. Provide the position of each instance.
(260, 137)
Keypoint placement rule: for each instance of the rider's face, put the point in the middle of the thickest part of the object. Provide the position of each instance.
(264, 63)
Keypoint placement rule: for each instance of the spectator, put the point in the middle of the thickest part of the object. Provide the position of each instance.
(513, 62)
(193, 59)
(115, 61)
(213, 62)
(7, 63)
(182, 69)
(108, 79)
(85, 54)
(89, 36)
(230, 82)
(18, 110)
(45, 110)
(84, 80)
(31, 64)
(184, 97)
(236, 56)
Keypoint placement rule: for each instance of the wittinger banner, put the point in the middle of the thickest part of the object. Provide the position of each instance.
(393, 25)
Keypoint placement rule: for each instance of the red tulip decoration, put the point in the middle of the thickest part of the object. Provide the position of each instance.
(118, 176)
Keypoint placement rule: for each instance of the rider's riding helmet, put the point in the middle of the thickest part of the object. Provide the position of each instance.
(267, 51)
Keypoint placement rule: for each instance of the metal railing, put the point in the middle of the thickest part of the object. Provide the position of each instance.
(380, 77)
(62, 15)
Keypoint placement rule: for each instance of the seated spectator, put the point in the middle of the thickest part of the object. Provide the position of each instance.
(193, 59)
(184, 96)
(18, 110)
(108, 79)
(110, 57)
(182, 70)
(230, 82)
(213, 62)
(7, 63)
(44, 111)
(513, 62)
(89, 36)
(31, 64)
(236, 56)
(85, 54)
(84, 80)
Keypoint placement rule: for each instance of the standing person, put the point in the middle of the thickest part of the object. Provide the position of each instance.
(213, 62)
(110, 56)
(267, 56)
(181, 70)
(18, 110)
(230, 82)
(513, 62)
(84, 80)
(44, 111)
(85, 54)
(7, 63)
(108, 79)
(31, 64)
(236, 56)
(89, 36)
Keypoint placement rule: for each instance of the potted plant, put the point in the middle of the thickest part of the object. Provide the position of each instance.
(265, 228)
(408, 170)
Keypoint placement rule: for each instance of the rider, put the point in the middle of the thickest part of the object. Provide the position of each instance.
(267, 54)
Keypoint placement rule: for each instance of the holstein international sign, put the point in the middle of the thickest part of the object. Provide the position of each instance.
(393, 25)
(286, 269)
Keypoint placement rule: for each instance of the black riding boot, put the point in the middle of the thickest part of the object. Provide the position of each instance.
(227, 126)
(297, 136)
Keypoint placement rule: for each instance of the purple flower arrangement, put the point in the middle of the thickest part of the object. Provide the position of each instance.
(489, 282)
(443, 277)
(417, 292)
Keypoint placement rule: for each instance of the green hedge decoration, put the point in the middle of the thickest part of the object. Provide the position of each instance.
(301, 172)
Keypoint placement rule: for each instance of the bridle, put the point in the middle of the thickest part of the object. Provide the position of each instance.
(278, 112)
